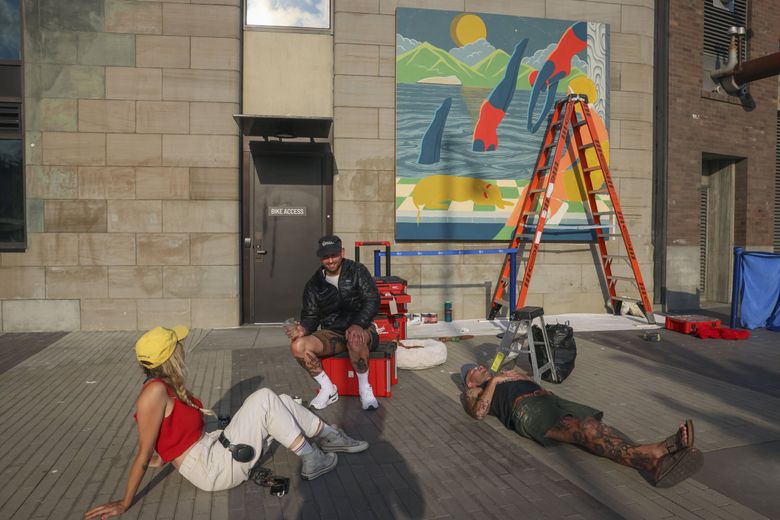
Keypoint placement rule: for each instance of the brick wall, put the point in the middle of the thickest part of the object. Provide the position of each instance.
(711, 123)
(565, 277)
(132, 167)
(700, 122)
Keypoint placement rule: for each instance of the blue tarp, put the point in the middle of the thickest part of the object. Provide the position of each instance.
(755, 300)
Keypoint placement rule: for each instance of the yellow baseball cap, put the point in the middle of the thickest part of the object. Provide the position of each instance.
(156, 346)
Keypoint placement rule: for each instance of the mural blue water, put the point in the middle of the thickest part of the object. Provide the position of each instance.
(517, 151)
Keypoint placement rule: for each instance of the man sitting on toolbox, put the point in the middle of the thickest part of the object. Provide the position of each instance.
(342, 298)
(533, 412)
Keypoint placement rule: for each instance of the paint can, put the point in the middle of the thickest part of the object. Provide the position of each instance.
(430, 317)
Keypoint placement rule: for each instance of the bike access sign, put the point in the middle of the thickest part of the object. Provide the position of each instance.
(287, 212)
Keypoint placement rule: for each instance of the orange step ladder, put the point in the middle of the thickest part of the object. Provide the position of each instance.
(572, 114)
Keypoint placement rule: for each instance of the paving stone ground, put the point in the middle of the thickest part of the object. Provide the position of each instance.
(66, 418)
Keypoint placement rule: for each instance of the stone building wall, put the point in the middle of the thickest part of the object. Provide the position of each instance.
(565, 278)
(131, 167)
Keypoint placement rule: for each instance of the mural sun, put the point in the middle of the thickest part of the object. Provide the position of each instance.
(467, 28)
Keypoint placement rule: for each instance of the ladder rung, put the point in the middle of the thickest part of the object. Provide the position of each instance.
(526, 236)
(586, 146)
(622, 278)
(603, 213)
(591, 169)
(627, 299)
(530, 213)
(551, 145)
(611, 235)
(616, 257)
(537, 190)
(543, 168)
(600, 191)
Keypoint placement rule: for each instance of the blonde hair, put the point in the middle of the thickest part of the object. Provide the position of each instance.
(172, 373)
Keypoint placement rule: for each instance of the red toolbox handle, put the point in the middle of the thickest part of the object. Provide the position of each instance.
(375, 243)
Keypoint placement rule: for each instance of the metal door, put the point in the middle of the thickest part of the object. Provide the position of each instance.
(719, 178)
(290, 210)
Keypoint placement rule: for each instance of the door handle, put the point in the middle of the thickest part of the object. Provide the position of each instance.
(261, 252)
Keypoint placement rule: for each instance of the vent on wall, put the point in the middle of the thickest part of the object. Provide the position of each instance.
(10, 117)
(719, 15)
(704, 195)
(777, 187)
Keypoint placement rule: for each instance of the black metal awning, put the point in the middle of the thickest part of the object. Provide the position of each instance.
(284, 127)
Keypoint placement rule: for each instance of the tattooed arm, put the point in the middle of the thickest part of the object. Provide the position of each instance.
(477, 400)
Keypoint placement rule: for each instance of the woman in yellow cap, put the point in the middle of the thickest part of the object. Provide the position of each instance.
(170, 423)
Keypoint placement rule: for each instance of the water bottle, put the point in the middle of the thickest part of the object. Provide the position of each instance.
(289, 325)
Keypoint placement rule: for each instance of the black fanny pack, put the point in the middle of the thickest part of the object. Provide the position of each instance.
(240, 452)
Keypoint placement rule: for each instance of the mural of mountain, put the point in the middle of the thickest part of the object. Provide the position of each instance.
(426, 60)
(425, 63)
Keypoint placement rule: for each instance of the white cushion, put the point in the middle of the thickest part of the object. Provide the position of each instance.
(417, 354)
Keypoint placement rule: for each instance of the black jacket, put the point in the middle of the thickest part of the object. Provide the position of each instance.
(355, 302)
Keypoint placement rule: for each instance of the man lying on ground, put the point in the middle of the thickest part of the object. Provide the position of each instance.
(533, 412)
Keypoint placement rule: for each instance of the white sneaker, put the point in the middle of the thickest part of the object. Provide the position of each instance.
(367, 399)
(324, 398)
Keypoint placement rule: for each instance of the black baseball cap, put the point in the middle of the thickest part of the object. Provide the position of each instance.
(464, 370)
(328, 245)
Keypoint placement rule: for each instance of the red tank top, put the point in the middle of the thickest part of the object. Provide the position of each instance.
(181, 429)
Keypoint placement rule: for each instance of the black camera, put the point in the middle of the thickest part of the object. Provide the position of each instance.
(280, 486)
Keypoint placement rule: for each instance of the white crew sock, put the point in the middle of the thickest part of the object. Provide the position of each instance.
(324, 381)
(302, 448)
(363, 381)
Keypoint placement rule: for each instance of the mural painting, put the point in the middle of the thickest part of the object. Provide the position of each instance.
(474, 93)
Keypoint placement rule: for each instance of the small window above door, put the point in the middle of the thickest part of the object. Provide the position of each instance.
(289, 14)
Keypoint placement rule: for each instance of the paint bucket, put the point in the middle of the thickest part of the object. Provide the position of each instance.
(430, 317)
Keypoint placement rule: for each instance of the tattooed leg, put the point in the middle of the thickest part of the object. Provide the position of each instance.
(605, 441)
(310, 363)
(358, 355)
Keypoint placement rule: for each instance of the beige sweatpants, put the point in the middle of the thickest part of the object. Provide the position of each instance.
(263, 418)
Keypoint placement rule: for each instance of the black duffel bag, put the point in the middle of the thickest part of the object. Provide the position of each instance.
(563, 347)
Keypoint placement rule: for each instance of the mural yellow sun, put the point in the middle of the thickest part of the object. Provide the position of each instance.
(467, 28)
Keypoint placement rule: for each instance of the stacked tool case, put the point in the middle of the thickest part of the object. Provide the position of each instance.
(391, 320)
(382, 372)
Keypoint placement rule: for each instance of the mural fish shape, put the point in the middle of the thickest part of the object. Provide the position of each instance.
(555, 68)
(430, 146)
(493, 109)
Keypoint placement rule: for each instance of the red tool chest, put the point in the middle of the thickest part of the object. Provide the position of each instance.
(390, 327)
(382, 373)
(393, 299)
(687, 323)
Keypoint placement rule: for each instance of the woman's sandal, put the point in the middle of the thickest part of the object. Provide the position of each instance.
(676, 467)
(674, 442)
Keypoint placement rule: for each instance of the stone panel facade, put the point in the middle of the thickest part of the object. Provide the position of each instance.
(114, 89)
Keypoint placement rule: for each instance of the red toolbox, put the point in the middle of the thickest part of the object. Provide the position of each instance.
(393, 299)
(687, 323)
(390, 327)
(382, 373)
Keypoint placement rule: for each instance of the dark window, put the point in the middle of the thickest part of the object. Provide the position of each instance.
(13, 235)
(719, 15)
(10, 30)
(12, 194)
